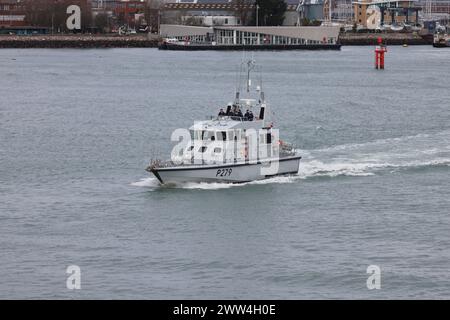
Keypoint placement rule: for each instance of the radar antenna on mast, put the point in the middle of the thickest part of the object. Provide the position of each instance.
(244, 78)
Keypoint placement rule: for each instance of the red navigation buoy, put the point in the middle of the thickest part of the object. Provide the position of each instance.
(380, 49)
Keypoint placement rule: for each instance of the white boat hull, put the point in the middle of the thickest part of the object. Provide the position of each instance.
(228, 173)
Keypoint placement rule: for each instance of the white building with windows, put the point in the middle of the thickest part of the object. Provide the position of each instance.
(240, 35)
(276, 35)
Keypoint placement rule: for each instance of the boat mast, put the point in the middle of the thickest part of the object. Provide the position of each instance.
(250, 66)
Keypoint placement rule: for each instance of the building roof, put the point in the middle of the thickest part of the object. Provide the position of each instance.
(9, 1)
(381, 1)
(213, 1)
(224, 1)
(215, 6)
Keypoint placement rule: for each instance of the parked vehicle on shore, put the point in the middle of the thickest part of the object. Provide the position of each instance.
(441, 37)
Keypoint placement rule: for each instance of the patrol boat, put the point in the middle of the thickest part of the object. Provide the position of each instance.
(232, 147)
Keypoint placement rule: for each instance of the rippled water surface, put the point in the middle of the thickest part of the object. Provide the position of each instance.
(77, 128)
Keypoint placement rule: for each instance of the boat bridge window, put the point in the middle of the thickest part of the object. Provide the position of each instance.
(208, 135)
(217, 150)
(262, 138)
(203, 135)
(202, 149)
(211, 135)
(237, 134)
(190, 148)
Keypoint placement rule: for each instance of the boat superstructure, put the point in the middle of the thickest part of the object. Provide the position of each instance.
(240, 144)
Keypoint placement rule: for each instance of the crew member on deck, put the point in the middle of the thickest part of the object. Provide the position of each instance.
(221, 113)
(234, 111)
(250, 116)
(246, 115)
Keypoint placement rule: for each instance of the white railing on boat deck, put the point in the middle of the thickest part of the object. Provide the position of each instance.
(235, 118)
(285, 150)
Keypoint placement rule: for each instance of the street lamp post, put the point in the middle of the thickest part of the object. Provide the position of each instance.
(257, 14)
(159, 21)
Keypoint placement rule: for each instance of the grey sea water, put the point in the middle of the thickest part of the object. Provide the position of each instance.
(77, 128)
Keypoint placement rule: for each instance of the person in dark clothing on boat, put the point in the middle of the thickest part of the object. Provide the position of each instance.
(221, 113)
(234, 111)
(250, 116)
(239, 113)
(246, 116)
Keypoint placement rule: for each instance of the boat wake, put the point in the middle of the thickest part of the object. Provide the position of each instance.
(153, 183)
(377, 157)
(357, 160)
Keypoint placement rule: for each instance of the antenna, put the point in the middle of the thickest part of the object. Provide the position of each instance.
(250, 67)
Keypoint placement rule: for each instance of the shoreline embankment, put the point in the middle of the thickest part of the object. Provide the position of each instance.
(397, 38)
(78, 41)
(151, 41)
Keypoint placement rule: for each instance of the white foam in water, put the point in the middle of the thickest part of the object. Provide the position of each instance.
(367, 159)
(154, 183)
(359, 160)
(146, 182)
(206, 185)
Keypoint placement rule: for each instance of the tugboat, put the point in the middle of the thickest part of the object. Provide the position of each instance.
(232, 147)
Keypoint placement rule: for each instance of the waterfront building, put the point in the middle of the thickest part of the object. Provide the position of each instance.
(218, 12)
(435, 8)
(129, 12)
(276, 35)
(343, 11)
(245, 35)
(310, 10)
(372, 14)
(12, 14)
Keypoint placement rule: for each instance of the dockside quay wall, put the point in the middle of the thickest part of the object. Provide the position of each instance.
(361, 39)
(77, 41)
